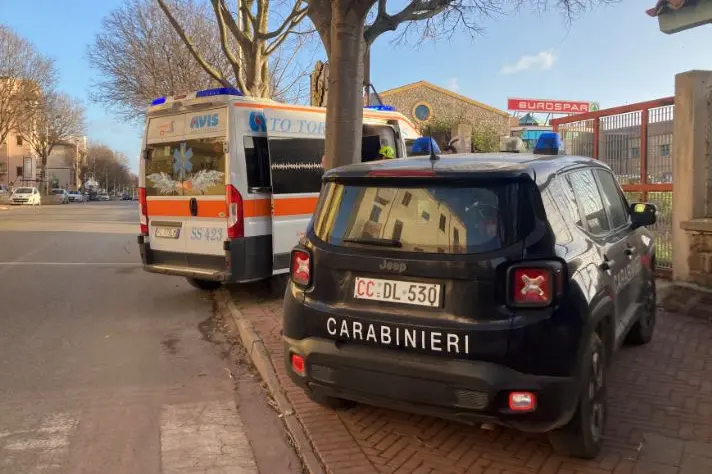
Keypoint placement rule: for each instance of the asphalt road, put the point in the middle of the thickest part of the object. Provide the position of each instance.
(107, 369)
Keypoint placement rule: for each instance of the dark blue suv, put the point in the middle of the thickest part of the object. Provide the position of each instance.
(479, 288)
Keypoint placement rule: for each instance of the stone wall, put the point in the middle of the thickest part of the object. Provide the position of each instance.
(700, 256)
(446, 104)
(692, 183)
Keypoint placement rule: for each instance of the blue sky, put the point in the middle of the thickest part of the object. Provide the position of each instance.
(614, 55)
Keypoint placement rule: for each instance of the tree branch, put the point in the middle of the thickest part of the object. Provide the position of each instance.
(224, 44)
(295, 16)
(416, 10)
(214, 73)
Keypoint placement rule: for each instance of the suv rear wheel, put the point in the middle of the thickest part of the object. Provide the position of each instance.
(205, 285)
(583, 435)
(642, 330)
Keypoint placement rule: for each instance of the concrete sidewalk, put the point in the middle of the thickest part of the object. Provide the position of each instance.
(660, 412)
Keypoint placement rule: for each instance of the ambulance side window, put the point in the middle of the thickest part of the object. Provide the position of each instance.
(257, 163)
(296, 164)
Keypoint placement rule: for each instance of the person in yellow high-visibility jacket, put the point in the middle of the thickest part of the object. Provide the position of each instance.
(386, 153)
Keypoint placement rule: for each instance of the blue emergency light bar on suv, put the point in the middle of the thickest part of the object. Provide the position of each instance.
(548, 143)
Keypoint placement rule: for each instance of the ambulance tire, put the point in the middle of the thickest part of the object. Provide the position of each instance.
(205, 285)
(278, 285)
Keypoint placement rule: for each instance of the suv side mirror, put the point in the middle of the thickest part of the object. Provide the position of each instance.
(643, 214)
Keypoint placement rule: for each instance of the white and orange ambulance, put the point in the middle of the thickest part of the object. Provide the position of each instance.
(228, 183)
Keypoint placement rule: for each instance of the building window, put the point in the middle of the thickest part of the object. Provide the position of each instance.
(397, 230)
(375, 214)
(455, 237)
(635, 152)
(425, 216)
(443, 222)
(406, 199)
(18, 170)
(665, 149)
(19, 140)
(422, 112)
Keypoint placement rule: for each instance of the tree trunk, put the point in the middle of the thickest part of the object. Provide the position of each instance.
(344, 115)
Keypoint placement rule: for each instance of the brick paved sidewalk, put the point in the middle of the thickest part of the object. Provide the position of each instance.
(660, 415)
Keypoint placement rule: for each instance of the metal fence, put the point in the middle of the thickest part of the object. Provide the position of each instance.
(636, 142)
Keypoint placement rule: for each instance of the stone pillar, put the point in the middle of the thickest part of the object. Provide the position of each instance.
(692, 199)
(463, 131)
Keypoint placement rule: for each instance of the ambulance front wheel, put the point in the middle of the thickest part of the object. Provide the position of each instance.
(205, 285)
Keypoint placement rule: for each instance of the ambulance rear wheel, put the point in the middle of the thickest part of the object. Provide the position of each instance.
(278, 285)
(205, 285)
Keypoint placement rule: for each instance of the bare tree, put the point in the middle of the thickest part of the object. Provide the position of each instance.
(348, 28)
(24, 73)
(109, 168)
(56, 120)
(140, 57)
(246, 40)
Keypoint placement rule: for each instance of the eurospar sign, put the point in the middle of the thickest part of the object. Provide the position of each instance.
(551, 106)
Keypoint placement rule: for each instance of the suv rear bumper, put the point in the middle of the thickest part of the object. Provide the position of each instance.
(466, 391)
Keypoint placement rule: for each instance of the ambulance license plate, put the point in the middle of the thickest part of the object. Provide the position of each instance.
(167, 232)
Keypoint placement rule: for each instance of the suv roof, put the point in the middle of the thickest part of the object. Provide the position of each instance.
(537, 167)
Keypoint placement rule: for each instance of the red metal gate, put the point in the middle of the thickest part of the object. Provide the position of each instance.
(636, 142)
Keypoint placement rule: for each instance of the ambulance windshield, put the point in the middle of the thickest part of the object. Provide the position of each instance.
(186, 168)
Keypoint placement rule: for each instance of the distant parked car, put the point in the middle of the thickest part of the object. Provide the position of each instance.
(28, 196)
(126, 197)
(62, 195)
(76, 196)
(103, 197)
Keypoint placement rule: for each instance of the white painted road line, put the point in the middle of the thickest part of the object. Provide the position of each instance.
(205, 438)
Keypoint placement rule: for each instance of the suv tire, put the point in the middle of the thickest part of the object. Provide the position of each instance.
(205, 285)
(583, 435)
(331, 402)
(642, 331)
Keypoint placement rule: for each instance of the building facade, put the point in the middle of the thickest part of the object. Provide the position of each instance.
(62, 164)
(18, 165)
(423, 102)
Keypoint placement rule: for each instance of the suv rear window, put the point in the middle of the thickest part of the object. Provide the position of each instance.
(443, 219)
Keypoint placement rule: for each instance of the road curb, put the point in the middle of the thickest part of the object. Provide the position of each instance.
(260, 358)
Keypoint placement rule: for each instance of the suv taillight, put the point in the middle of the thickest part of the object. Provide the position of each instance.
(301, 267)
(235, 222)
(535, 285)
(143, 209)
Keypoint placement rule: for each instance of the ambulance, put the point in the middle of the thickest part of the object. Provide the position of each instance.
(228, 183)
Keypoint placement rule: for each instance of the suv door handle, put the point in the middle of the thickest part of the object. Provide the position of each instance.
(630, 251)
(606, 265)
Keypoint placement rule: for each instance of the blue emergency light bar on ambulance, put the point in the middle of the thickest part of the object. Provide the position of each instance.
(228, 183)
(203, 93)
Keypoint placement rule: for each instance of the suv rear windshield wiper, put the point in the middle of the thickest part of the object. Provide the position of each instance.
(376, 241)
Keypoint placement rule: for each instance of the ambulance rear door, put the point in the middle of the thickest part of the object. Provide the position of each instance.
(185, 168)
(296, 146)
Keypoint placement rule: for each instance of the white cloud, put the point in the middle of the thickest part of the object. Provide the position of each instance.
(540, 61)
(452, 84)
